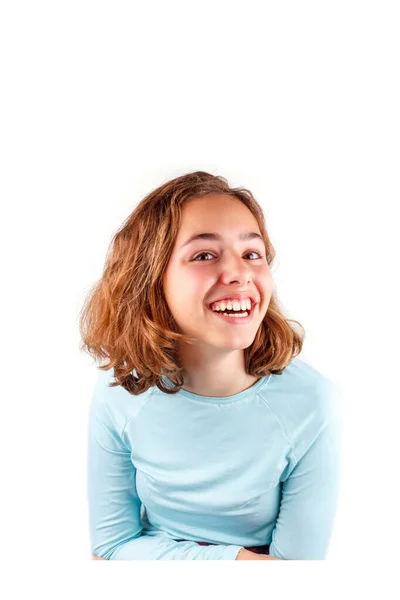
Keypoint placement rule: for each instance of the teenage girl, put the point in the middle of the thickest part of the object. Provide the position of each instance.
(209, 439)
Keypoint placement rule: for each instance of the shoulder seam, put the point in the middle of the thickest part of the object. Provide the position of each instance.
(101, 399)
(129, 419)
(106, 411)
(280, 424)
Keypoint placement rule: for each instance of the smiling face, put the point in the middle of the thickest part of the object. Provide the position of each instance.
(203, 270)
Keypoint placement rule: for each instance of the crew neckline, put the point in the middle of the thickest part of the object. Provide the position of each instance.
(253, 389)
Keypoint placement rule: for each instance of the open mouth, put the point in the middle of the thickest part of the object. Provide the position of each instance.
(235, 318)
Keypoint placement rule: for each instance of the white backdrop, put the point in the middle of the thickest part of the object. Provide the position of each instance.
(104, 101)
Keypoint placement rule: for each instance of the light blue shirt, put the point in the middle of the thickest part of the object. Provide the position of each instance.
(260, 467)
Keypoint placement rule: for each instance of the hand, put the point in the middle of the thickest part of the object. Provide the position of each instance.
(97, 558)
(249, 555)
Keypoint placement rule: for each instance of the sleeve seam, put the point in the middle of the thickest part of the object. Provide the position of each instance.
(111, 420)
(129, 419)
(106, 409)
(280, 424)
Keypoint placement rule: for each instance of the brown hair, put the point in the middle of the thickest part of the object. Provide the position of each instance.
(125, 317)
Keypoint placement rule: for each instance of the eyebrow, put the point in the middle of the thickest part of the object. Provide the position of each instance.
(244, 236)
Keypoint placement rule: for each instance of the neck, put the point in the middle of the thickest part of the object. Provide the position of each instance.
(220, 375)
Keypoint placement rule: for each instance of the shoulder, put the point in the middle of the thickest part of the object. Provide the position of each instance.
(115, 403)
(303, 398)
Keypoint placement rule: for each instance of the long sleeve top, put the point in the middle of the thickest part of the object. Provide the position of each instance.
(260, 467)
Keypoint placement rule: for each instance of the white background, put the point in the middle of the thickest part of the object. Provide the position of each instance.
(101, 102)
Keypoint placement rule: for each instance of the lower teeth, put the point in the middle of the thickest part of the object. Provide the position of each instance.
(238, 314)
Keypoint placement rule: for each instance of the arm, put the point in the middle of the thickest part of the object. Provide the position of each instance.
(245, 555)
(310, 493)
(114, 504)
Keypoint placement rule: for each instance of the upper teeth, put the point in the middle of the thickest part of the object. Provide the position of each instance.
(232, 305)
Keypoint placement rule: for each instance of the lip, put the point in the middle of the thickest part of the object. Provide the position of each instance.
(235, 320)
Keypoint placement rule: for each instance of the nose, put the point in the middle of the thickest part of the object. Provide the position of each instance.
(234, 269)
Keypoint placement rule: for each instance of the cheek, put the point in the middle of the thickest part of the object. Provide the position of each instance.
(198, 278)
(266, 278)
(185, 288)
(195, 283)
(172, 294)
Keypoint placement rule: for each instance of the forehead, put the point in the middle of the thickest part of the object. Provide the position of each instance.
(216, 212)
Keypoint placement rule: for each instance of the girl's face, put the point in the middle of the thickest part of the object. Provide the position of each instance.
(204, 270)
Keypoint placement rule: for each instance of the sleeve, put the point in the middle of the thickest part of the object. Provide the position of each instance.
(114, 505)
(310, 493)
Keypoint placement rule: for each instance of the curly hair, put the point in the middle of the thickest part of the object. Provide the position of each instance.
(125, 317)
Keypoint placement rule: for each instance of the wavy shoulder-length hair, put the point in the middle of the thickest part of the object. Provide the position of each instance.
(125, 318)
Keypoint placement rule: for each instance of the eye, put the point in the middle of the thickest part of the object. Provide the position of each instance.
(205, 253)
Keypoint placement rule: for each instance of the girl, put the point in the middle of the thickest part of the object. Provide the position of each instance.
(208, 437)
